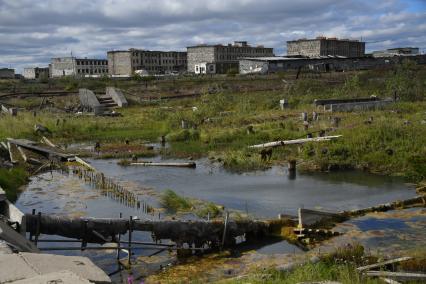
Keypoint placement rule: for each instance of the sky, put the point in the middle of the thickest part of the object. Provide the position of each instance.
(33, 31)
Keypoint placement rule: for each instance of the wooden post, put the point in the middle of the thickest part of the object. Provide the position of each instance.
(130, 239)
(119, 241)
(225, 226)
(31, 234)
(292, 165)
(37, 228)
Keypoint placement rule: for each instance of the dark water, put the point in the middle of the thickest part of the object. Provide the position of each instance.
(266, 193)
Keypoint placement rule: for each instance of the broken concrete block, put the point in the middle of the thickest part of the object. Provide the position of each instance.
(82, 266)
(63, 277)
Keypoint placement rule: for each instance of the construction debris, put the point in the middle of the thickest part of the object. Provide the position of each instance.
(296, 141)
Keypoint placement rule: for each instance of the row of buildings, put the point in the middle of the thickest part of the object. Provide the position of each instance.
(203, 59)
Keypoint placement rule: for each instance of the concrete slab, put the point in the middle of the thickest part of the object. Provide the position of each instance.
(63, 277)
(13, 267)
(82, 266)
(4, 248)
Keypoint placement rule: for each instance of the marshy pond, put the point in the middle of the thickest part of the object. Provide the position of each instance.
(263, 194)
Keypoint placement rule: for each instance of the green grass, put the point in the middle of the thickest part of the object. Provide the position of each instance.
(173, 202)
(222, 119)
(12, 180)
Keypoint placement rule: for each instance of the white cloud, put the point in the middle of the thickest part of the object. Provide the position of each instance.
(32, 31)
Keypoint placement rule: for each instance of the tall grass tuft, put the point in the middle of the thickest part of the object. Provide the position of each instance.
(12, 180)
(173, 202)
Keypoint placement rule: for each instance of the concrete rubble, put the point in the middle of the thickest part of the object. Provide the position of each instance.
(26, 266)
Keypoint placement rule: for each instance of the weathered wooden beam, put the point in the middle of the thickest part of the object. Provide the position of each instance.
(398, 275)
(154, 164)
(30, 145)
(295, 141)
(12, 159)
(23, 155)
(383, 263)
(48, 142)
(84, 163)
(389, 281)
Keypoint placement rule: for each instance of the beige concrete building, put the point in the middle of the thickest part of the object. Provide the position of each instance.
(83, 67)
(221, 58)
(36, 72)
(127, 62)
(322, 46)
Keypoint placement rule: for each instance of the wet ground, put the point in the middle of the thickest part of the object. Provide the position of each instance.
(385, 233)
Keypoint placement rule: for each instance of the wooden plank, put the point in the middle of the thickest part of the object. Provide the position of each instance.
(4, 145)
(398, 275)
(295, 141)
(23, 155)
(383, 263)
(4, 109)
(323, 102)
(12, 159)
(84, 163)
(48, 142)
(41, 150)
(154, 164)
(390, 281)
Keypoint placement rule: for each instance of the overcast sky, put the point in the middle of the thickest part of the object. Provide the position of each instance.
(33, 31)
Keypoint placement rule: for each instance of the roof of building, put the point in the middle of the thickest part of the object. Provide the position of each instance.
(325, 38)
(284, 58)
(229, 45)
(137, 49)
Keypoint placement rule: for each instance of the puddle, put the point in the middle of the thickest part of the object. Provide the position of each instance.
(266, 193)
(380, 224)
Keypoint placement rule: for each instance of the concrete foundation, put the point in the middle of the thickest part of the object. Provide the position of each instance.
(117, 96)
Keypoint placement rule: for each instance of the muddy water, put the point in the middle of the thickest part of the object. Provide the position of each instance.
(266, 194)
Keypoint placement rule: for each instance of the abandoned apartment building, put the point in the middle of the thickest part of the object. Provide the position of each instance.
(83, 67)
(127, 62)
(323, 46)
(220, 59)
(7, 73)
(36, 72)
